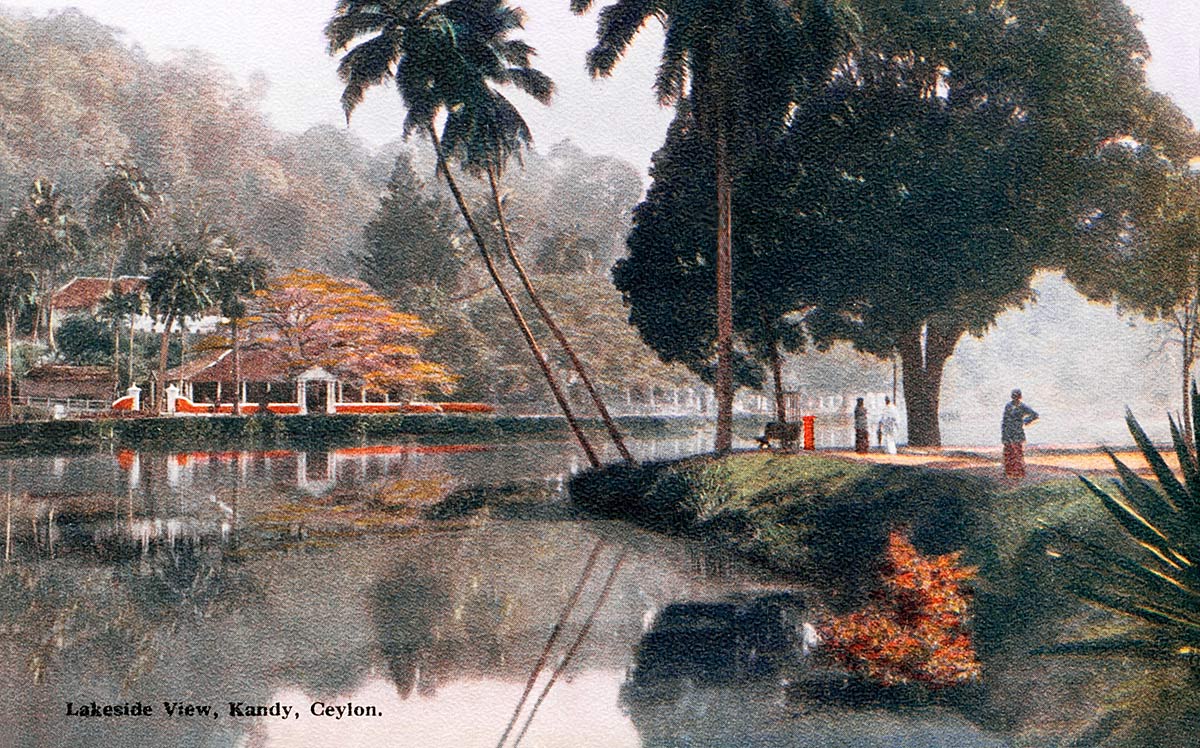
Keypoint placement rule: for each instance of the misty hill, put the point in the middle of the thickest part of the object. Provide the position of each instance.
(74, 96)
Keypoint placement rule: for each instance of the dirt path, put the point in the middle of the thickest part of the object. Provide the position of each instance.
(1042, 463)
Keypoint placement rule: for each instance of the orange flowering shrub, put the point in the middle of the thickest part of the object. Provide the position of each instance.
(916, 630)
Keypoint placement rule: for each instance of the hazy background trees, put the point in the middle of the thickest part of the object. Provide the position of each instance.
(1030, 144)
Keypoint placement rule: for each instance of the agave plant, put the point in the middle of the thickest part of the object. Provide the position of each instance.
(1159, 583)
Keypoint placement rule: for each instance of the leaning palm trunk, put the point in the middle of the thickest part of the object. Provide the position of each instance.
(613, 432)
(540, 357)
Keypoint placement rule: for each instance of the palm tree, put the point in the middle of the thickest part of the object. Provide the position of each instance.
(180, 286)
(124, 208)
(122, 307)
(237, 275)
(55, 245)
(17, 284)
(485, 130)
(431, 50)
(739, 66)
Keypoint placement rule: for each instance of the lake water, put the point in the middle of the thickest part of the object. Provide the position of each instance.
(193, 578)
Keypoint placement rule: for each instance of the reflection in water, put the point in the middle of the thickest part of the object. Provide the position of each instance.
(403, 604)
(715, 643)
(150, 577)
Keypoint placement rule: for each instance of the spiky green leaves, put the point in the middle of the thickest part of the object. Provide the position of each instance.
(1159, 584)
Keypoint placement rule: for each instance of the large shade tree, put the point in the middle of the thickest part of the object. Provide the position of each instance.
(971, 151)
(443, 57)
(667, 279)
(312, 319)
(918, 191)
(740, 66)
(1145, 256)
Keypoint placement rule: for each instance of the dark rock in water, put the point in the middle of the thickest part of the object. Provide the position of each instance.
(714, 643)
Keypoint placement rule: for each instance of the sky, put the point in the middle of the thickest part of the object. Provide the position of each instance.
(282, 39)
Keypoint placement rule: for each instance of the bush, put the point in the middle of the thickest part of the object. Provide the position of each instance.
(83, 341)
(917, 630)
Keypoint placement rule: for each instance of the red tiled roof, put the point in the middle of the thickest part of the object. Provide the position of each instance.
(61, 373)
(86, 293)
(258, 365)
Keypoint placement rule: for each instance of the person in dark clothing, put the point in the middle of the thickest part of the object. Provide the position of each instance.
(1017, 415)
(862, 437)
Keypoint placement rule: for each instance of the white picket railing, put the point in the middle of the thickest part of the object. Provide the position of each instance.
(68, 404)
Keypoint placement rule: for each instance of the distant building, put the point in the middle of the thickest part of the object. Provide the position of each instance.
(83, 295)
(206, 386)
(58, 382)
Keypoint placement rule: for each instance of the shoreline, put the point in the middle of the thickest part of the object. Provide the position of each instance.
(76, 436)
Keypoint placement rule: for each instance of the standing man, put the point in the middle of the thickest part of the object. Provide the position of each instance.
(862, 438)
(1017, 415)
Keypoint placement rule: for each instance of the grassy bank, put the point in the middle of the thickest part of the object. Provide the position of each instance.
(806, 513)
(825, 521)
(221, 432)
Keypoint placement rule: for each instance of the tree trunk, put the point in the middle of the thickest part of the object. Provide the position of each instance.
(1187, 323)
(557, 332)
(35, 330)
(49, 311)
(777, 378)
(41, 317)
(724, 379)
(515, 310)
(164, 343)
(923, 380)
(116, 364)
(6, 406)
(237, 367)
(1185, 396)
(131, 325)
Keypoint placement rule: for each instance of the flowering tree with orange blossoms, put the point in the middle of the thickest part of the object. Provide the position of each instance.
(312, 319)
(917, 629)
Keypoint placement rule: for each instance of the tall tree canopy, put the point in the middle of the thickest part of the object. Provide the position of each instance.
(1146, 252)
(312, 319)
(123, 213)
(412, 242)
(739, 66)
(976, 147)
(957, 149)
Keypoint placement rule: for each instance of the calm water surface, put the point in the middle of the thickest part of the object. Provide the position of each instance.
(180, 577)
